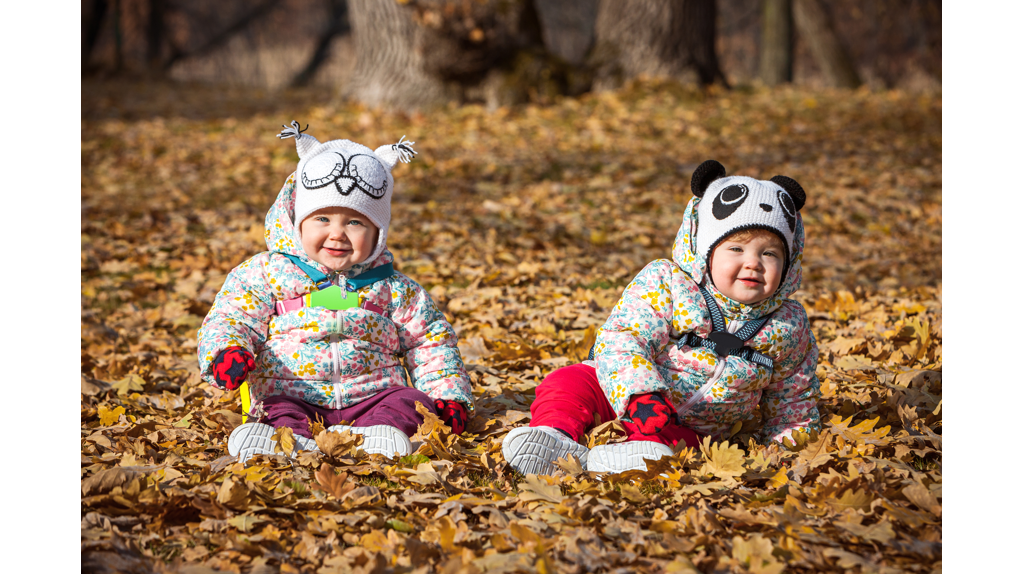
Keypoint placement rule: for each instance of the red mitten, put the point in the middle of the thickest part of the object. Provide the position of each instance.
(231, 367)
(453, 414)
(650, 412)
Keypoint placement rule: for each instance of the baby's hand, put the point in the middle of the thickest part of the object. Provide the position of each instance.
(231, 367)
(453, 414)
(650, 412)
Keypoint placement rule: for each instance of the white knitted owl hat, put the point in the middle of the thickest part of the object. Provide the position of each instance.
(342, 173)
(735, 203)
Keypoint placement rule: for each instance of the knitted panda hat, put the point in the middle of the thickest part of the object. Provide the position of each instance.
(342, 173)
(736, 203)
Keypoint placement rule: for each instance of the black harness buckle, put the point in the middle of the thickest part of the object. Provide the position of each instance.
(725, 343)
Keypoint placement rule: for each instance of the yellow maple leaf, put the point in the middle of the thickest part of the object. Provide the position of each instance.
(109, 416)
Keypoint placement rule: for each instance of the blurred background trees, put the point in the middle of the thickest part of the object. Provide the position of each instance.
(414, 53)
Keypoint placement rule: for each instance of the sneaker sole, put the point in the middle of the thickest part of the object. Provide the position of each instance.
(250, 439)
(620, 457)
(529, 451)
(380, 439)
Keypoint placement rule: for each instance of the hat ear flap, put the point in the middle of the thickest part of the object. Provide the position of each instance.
(705, 173)
(303, 142)
(394, 153)
(793, 188)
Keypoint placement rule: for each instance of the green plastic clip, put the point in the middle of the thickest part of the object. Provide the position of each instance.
(333, 298)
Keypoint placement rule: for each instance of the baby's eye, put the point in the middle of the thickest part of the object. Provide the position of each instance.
(323, 219)
(736, 249)
(771, 254)
(355, 222)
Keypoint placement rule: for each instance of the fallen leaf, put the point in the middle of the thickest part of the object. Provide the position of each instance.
(538, 488)
(335, 484)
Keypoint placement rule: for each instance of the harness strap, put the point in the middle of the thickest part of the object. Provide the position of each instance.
(322, 280)
(325, 296)
(721, 342)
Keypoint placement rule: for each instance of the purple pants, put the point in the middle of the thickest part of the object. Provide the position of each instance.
(394, 406)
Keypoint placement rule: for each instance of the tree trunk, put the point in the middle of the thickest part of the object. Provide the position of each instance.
(655, 38)
(815, 26)
(568, 27)
(424, 52)
(337, 26)
(389, 63)
(777, 42)
(92, 24)
(155, 36)
(118, 40)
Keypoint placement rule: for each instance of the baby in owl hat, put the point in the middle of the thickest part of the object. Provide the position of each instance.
(696, 343)
(321, 326)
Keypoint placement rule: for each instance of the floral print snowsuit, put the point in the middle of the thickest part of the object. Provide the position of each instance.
(328, 358)
(636, 349)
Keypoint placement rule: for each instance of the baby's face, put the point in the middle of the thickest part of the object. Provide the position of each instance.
(338, 237)
(748, 270)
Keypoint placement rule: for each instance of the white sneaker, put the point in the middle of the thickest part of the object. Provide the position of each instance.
(533, 450)
(250, 439)
(379, 439)
(623, 456)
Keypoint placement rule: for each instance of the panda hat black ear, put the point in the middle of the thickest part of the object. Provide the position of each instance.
(795, 191)
(705, 173)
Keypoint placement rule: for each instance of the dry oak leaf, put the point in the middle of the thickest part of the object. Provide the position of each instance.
(338, 444)
(816, 452)
(132, 382)
(862, 431)
(424, 474)
(375, 541)
(105, 480)
(284, 440)
(879, 532)
(723, 460)
(854, 363)
(570, 464)
(446, 531)
(538, 488)
(780, 479)
(859, 499)
(332, 483)
(233, 493)
(756, 554)
(245, 522)
(923, 498)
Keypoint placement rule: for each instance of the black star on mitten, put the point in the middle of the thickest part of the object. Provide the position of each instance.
(650, 412)
(231, 367)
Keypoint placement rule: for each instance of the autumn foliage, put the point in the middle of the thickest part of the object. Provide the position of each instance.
(524, 224)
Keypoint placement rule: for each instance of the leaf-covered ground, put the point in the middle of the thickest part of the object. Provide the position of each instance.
(524, 224)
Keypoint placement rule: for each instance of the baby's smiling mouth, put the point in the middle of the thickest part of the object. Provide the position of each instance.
(335, 251)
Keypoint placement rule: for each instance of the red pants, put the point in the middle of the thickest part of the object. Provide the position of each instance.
(571, 399)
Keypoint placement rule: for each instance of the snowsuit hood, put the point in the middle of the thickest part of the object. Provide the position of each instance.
(281, 233)
(685, 254)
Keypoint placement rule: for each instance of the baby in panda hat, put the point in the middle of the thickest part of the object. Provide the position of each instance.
(321, 326)
(696, 343)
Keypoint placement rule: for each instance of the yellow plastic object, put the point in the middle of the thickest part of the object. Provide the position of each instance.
(244, 391)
